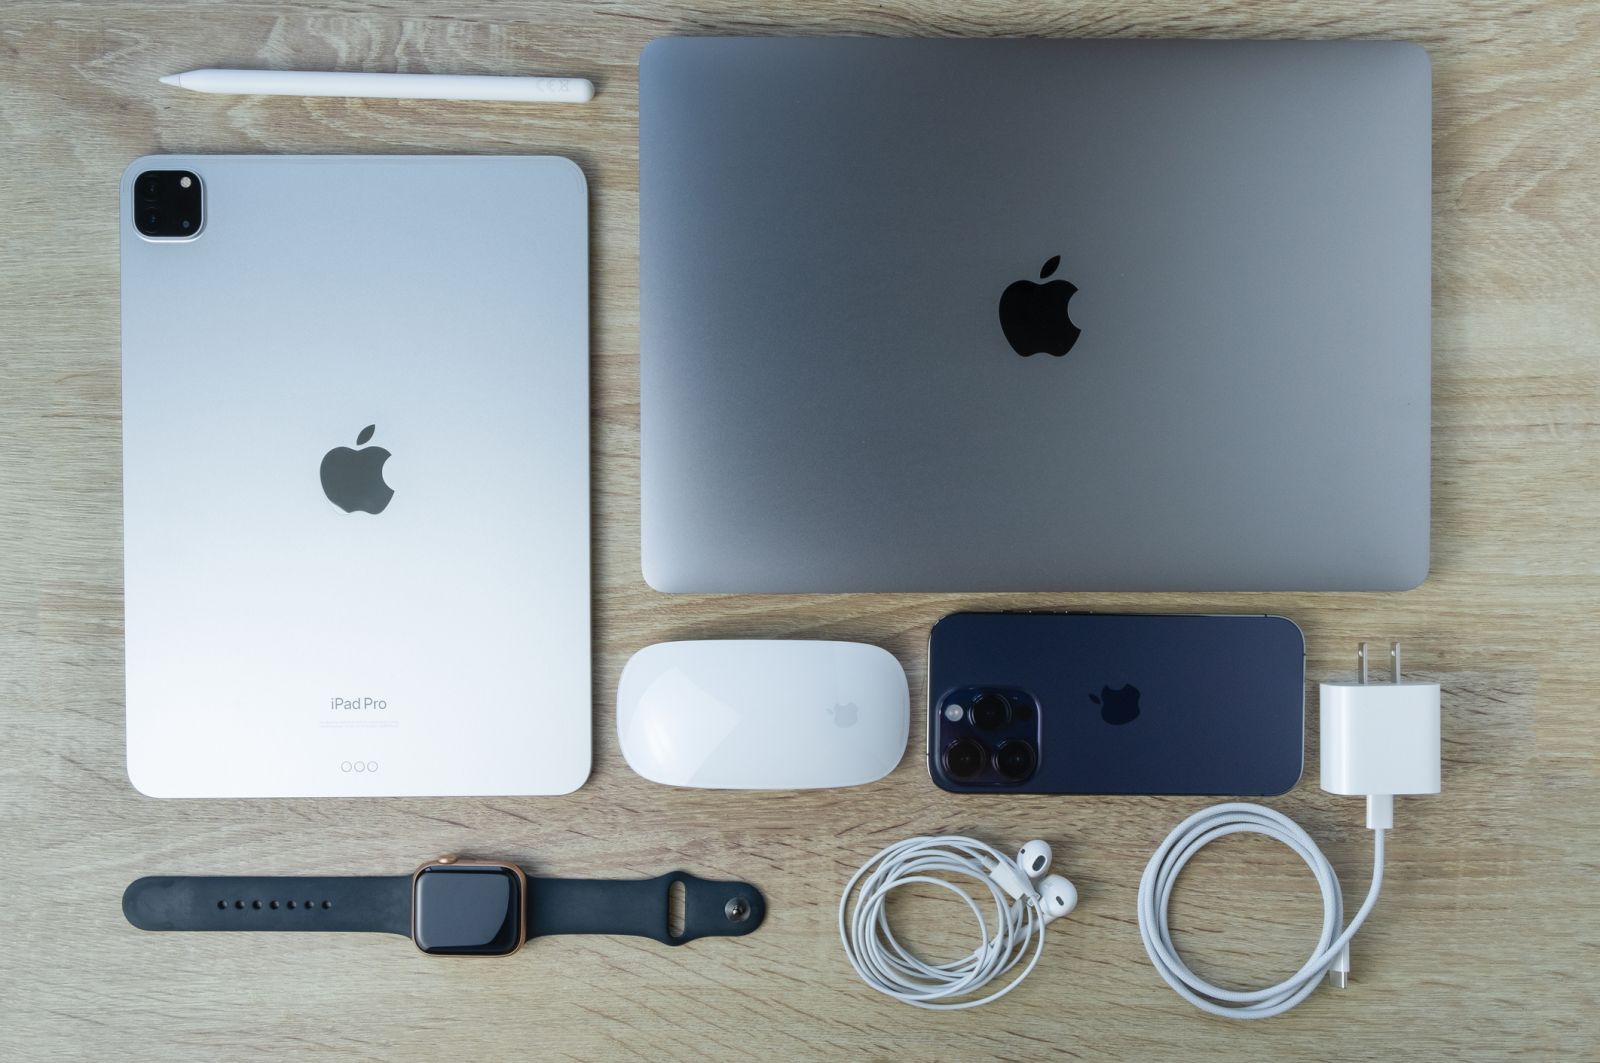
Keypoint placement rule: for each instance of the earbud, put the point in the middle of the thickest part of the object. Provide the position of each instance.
(1057, 897)
(1020, 878)
(1034, 859)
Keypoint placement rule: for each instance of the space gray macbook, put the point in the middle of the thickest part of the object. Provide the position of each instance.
(1008, 315)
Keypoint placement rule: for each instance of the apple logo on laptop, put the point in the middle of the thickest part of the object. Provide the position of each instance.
(1034, 316)
(353, 479)
(1118, 706)
(844, 715)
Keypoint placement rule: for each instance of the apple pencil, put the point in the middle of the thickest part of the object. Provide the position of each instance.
(385, 86)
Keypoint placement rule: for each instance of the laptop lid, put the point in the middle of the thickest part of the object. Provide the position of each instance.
(356, 512)
(987, 315)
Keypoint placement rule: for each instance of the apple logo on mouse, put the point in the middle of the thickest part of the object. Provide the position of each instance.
(1034, 317)
(353, 479)
(1118, 706)
(844, 715)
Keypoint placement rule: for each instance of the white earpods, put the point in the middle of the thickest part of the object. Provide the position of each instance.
(1027, 877)
(1012, 936)
(1034, 859)
(1057, 897)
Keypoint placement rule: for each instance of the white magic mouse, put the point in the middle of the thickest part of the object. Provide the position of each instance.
(763, 714)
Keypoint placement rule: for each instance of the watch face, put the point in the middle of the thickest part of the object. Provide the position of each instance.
(467, 910)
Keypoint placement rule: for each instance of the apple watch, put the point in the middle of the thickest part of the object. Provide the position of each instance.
(447, 907)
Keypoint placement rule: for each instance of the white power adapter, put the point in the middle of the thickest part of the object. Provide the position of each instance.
(1380, 739)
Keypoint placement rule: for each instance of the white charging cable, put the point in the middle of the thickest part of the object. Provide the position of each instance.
(1332, 954)
(1379, 741)
(1025, 901)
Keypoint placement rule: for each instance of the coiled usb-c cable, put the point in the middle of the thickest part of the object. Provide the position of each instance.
(1332, 954)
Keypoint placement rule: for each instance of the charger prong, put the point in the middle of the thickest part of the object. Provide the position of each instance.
(1361, 658)
(1394, 658)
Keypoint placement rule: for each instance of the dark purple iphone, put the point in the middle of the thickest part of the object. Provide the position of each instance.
(1104, 703)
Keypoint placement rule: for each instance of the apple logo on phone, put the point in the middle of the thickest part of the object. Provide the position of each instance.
(353, 479)
(1118, 706)
(844, 715)
(1034, 316)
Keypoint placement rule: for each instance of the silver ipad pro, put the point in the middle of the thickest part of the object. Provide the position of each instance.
(1033, 315)
(355, 408)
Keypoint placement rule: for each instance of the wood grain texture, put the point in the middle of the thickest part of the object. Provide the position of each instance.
(1483, 945)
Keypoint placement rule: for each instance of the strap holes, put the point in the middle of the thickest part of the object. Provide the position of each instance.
(677, 906)
(256, 905)
(291, 906)
(273, 905)
(223, 905)
(327, 905)
(309, 906)
(238, 904)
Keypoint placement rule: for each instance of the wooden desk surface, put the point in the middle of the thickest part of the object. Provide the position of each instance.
(1483, 944)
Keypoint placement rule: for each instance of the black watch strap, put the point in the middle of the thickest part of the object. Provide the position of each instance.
(373, 903)
(641, 907)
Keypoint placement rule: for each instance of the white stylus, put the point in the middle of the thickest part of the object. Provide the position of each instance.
(386, 86)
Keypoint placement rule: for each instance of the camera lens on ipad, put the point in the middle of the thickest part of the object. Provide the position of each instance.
(990, 711)
(1015, 760)
(963, 758)
(169, 203)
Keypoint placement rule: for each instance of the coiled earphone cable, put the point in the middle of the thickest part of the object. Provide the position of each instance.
(1017, 919)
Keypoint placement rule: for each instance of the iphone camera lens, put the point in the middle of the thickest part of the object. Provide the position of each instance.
(963, 758)
(1015, 760)
(990, 711)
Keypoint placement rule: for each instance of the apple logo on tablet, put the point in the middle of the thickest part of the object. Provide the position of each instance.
(353, 479)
